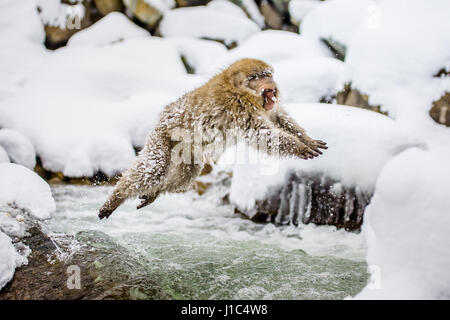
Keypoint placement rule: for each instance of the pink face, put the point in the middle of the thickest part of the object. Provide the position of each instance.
(265, 86)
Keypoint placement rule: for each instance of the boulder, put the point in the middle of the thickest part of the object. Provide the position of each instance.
(440, 110)
(107, 6)
(148, 12)
(63, 19)
(353, 97)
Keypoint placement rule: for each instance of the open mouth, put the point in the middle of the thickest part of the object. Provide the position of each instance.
(269, 98)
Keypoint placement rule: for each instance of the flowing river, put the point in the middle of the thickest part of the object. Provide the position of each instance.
(196, 249)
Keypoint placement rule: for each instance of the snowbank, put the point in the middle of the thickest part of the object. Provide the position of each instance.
(19, 148)
(360, 142)
(22, 36)
(222, 24)
(4, 158)
(278, 46)
(24, 189)
(299, 8)
(308, 80)
(337, 19)
(104, 102)
(393, 58)
(202, 55)
(407, 226)
(10, 259)
(112, 28)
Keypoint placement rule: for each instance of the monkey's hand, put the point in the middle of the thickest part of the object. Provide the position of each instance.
(314, 146)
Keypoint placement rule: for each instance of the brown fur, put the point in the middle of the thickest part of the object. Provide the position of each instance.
(237, 99)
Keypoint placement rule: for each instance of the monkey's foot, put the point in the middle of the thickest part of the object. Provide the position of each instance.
(147, 200)
(104, 213)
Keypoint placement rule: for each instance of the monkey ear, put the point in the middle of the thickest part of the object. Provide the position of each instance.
(238, 79)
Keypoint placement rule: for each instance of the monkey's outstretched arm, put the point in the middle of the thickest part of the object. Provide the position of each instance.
(277, 142)
(286, 122)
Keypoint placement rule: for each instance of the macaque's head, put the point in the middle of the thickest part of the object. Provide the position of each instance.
(253, 79)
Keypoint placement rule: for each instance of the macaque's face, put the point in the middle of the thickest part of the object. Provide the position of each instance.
(263, 86)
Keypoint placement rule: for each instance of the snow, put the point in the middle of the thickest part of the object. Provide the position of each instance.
(222, 24)
(112, 28)
(200, 54)
(407, 227)
(24, 189)
(359, 142)
(161, 5)
(10, 259)
(118, 86)
(337, 19)
(18, 147)
(396, 69)
(26, 38)
(253, 11)
(308, 80)
(4, 158)
(299, 8)
(288, 46)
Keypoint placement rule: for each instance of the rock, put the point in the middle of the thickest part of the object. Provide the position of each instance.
(313, 199)
(353, 97)
(272, 17)
(146, 13)
(62, 20)
(338, 49)
(191, 3)
(107, 6)
(103, 269)
(440, 110)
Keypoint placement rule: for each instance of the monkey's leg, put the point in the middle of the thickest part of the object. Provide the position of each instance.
(147, 199)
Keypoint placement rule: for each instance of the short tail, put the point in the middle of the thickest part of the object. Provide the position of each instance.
(111, 204)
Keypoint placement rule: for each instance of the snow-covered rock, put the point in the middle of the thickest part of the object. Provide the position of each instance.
(308, 80)
(10, 259)
(24, 189)
(19, 148)
(112, 28)
(407, 227)
(338, 19)
(278, 46)
(359, 142)
(201, 54)
(224, 25)
(4, 158)
(299, 8)
(393, 58)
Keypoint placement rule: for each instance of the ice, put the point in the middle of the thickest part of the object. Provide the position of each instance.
(112, 28)
(24, 189)
(18, 147)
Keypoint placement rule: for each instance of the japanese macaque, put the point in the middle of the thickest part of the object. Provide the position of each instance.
(243, 99)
